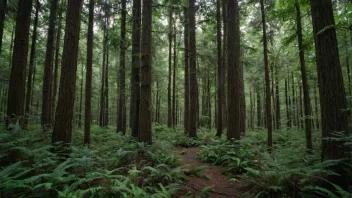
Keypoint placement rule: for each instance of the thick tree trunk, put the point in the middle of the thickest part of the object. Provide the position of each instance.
(186, 62)
(145, 127)
(193, 70)
(224, 66)
(121, 125)
(234, 71)
(267, 79)
(64, 113)
(332, 92)
(3, 7)
(169, 100)
(16, 97)
(31, 62)
(136, 64)
(89, 73)
(57, 57)
(220, 71)
(48, 67)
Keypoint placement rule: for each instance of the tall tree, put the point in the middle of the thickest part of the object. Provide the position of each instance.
(57, 57)
(306, 98)
(89, 73)
(269, 123)
(48, 67)
(121, 124)
(136, 65)
(334, 116)
(186, 62)
(31, 61)
(174, 109)
(64, 111)
(220, 70)
(193, 70)
(169, 105)
(234, 71)
(16, 97)
(145, 124)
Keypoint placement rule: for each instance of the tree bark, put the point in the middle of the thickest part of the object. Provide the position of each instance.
(145, 127)
(277, 100)
(48, 67)
(193, 70)
(57, 57)
(16, 93)
(66, 98)
(121, 125)
(332, 93)
(31, 62)
(220, 71)
(136, 64)
(169, 100)
(89, 73)
(174, 113)
(186, 62)
(234, 72)
(102, 91)
(267, 79)
(81, 99)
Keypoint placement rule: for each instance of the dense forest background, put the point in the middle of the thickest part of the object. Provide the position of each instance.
(107, 96)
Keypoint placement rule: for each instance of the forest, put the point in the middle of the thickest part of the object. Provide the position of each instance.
(176, 98)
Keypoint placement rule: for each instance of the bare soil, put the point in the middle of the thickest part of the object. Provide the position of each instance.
(211, 176)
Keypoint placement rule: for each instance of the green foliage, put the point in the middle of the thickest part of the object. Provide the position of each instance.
(116, 166)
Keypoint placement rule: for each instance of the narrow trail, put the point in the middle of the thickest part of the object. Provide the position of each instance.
(210, 176)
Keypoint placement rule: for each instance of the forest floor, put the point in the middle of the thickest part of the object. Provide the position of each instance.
(208, 180)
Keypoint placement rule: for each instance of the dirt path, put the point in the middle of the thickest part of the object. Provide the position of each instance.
(210, 176)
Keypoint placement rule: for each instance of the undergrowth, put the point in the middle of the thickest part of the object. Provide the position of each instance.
(288, 171)
(113, 166)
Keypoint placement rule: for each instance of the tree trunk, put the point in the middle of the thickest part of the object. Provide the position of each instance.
(102, 95)
(31, 63)
(3, 8)
(220, 71)
(316, 104)
(89, 72)
(293, 104)
(64, 113)
(16, 97)
(106, 83)
(121, 125)
(81, 100)
(174, 114)
(267, 79)
(277, 100)
(224, 66)
(136, 64)
(233, 64)
(193, 70)
(259, 108)
(186, 62)
(169, 100)
(332, 93)
(288, 122)
(57, 57)
(145, 126)
(48, 68)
